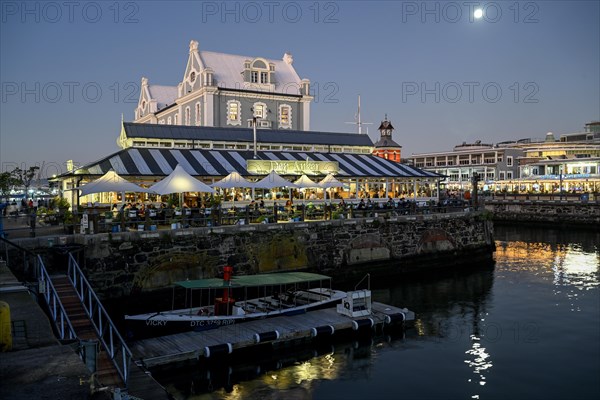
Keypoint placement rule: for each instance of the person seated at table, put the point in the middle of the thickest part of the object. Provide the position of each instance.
(253, 205)
(313, 195)
(262, 203)
(289, 206)
(361, 204)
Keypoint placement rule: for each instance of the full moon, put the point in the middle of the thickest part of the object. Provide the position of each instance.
(478, 13)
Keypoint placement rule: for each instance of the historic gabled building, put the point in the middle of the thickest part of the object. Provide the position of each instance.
(225, 90)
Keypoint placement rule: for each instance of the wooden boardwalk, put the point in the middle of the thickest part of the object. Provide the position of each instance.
(192, 345)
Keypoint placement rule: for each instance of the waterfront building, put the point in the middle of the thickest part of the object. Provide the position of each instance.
(249, 115)
(489, 162)
(152, 151)
(523, 166)
(570, 163)
(226, 90)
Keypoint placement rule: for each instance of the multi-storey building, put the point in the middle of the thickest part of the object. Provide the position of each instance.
(226, 90)
(525, 165)
(489, 162)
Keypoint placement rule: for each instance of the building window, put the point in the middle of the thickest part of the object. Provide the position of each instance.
(198, 115)
(259, 72)
(188, 116)
(169, 121)
(175, 119)
(501, 175)
(285, 116)
(259, 110)
(161, 121)
(234, 112)
(509, 161)
(509, 175)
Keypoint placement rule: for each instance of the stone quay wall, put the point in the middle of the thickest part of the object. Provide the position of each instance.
(553, 212)
(132, 263)
(128, 263)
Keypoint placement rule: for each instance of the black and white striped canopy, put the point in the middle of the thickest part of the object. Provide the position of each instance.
(218, 163)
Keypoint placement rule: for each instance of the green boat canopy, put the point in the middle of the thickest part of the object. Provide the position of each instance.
(285, 278)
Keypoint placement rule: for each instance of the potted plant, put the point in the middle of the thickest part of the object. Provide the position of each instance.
(62, 204)
(68, 221)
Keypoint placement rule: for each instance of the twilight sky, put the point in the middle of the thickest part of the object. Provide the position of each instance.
(68, 70)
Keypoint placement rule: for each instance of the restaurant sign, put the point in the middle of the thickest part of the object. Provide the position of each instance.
(292, 167)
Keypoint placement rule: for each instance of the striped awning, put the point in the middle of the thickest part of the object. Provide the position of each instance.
(218, 163)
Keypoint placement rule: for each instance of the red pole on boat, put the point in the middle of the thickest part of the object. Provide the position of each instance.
(227, 273)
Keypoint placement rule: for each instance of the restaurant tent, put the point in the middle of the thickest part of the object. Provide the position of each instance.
(179, 181)
(233, 180)
(273, 181)
(304, 182)
(110, 182)
(329, 182)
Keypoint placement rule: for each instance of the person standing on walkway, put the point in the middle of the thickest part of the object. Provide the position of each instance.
(2, 207)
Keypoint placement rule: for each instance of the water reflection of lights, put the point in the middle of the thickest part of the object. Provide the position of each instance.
(569, 264)
(480, 362)
(577, 268)
(577, 271)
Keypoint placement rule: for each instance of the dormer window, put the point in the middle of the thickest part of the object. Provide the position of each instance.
(192, 76)
(259, 72)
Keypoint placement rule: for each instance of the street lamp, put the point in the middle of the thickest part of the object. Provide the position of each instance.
(253, 121)
(474, 180)
(560, 180)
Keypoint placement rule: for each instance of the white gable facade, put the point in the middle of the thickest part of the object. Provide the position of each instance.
(226, 90)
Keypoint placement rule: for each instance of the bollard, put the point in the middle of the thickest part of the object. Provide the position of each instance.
(90, 353)
(5, 329)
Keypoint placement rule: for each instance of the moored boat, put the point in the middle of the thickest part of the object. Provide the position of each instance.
(236, 299)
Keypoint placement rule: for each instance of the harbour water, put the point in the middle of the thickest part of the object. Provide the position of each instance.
(527, 327)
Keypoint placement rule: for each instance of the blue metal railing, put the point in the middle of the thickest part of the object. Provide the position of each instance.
(108, 334)
(34, 265)
(57, 311)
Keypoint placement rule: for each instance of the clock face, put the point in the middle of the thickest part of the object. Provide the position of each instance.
(192, 76)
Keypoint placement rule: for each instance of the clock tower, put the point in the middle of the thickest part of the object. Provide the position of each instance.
(385, 146)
